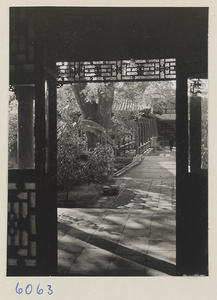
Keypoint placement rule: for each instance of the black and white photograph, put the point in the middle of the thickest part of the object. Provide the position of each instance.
(108, 142)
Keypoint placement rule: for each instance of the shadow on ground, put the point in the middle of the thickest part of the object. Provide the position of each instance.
(116, 244)
(129, 234)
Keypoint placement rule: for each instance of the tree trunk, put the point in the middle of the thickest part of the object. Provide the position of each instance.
(98, 112)
(106, 98)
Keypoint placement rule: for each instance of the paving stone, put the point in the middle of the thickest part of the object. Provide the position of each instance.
(97, 242)
(161, 266)
(125, 251)
(129, 235)
(71, 245)
(132, 233)
(60, 235)
(165, 236)
(63, 270)
(110, 236)
(133, 225)
(166, 256)
(155, 273)
(67, 262)
(63, 254)
(126, 272)
(120, 262)
(134, 241)
(91, 262)
(114, 219)
(159, 246)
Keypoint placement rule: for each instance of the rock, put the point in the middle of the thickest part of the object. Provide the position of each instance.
(110, 190)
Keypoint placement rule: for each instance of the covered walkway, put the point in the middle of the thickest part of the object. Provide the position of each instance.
(132, 234)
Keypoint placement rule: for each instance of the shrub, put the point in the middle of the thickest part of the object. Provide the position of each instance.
(73, 170)
(100, 164)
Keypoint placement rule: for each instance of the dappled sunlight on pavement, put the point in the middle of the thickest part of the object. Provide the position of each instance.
(133, 236)
(131, 242)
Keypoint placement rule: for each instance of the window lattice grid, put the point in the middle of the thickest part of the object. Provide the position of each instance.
(21, 225)
(123, 70)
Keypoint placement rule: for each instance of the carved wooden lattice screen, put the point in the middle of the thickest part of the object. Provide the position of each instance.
(121, 70)
(21, 221)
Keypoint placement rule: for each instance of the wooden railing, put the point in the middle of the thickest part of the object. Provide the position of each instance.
(133, 145)
(143, 136)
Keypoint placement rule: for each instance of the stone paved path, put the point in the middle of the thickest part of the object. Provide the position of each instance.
(132, 234)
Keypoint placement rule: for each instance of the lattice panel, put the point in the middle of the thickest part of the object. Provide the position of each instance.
(21, 225)
(123, 70)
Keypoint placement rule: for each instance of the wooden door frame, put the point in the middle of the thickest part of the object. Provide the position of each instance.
(192, 215)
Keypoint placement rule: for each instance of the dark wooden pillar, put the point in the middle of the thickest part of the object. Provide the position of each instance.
(45, 135)
(25, 96)
(191, 193)
(51, 195)
(195, 133)
(183, 228)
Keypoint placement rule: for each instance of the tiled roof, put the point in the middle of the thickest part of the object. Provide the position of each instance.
(128, 106)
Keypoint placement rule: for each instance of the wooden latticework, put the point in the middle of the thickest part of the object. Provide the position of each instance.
(21, 222)
(120, 70)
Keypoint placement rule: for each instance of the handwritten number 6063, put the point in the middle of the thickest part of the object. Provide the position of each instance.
(29, 289)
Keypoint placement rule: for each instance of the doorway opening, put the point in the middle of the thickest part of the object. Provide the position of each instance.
(39, 37)
(116, 206)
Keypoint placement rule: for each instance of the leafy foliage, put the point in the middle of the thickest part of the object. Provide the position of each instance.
(94, 101)
(130, 92)
(76, 163)
(73, 169)
(100, 164)
(12, 129)
(157, 95)
(13, 121)
(98, 130)
(68, 165)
